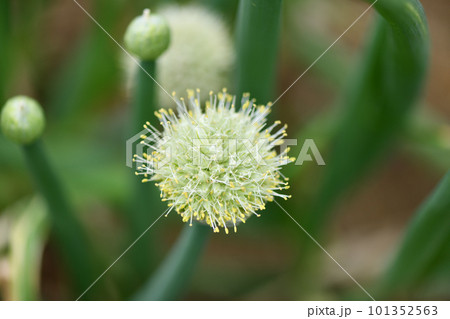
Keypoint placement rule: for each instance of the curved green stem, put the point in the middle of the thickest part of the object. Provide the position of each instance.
(374, 109)
(173, 274)
(71, 238)
(378, 101)
(257, 38)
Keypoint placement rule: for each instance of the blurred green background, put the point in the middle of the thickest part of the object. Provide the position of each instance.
(51, 51)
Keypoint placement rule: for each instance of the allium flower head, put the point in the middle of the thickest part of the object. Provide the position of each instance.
(216, 165)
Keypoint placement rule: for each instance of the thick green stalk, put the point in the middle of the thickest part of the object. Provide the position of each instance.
(70, 235)
(426, 240)
(174, 273)
(425, 136)
(378, 101)
(146, 204)
(257, 38)
(144, 98)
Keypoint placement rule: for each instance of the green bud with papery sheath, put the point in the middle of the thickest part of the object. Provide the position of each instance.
(22, 119)
(147, 36)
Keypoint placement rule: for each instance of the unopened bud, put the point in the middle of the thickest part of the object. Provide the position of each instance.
(22, 119)
(147, 36)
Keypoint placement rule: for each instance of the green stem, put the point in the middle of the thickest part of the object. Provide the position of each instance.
(146, 203)
(173, 274)
(426, 238)
(374, 109)
(257, 38)
(73, 242)
(144, 103)
(378, 102)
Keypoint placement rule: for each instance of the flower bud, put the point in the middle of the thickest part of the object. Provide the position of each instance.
(147, 36)
(22, 119)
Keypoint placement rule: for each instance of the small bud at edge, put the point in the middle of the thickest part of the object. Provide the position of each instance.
(22, 119)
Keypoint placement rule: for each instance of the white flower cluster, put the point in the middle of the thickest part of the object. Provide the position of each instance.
(216, 166)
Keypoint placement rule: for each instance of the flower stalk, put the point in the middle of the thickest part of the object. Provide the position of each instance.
(23, 121)
(144, 104)
(257, 38)
(145, 202)
(72, 239)
(172, 276)
(147, 37)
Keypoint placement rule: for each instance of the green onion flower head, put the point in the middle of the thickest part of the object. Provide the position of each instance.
(22, 119)
(148, 36)
(216, 165)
